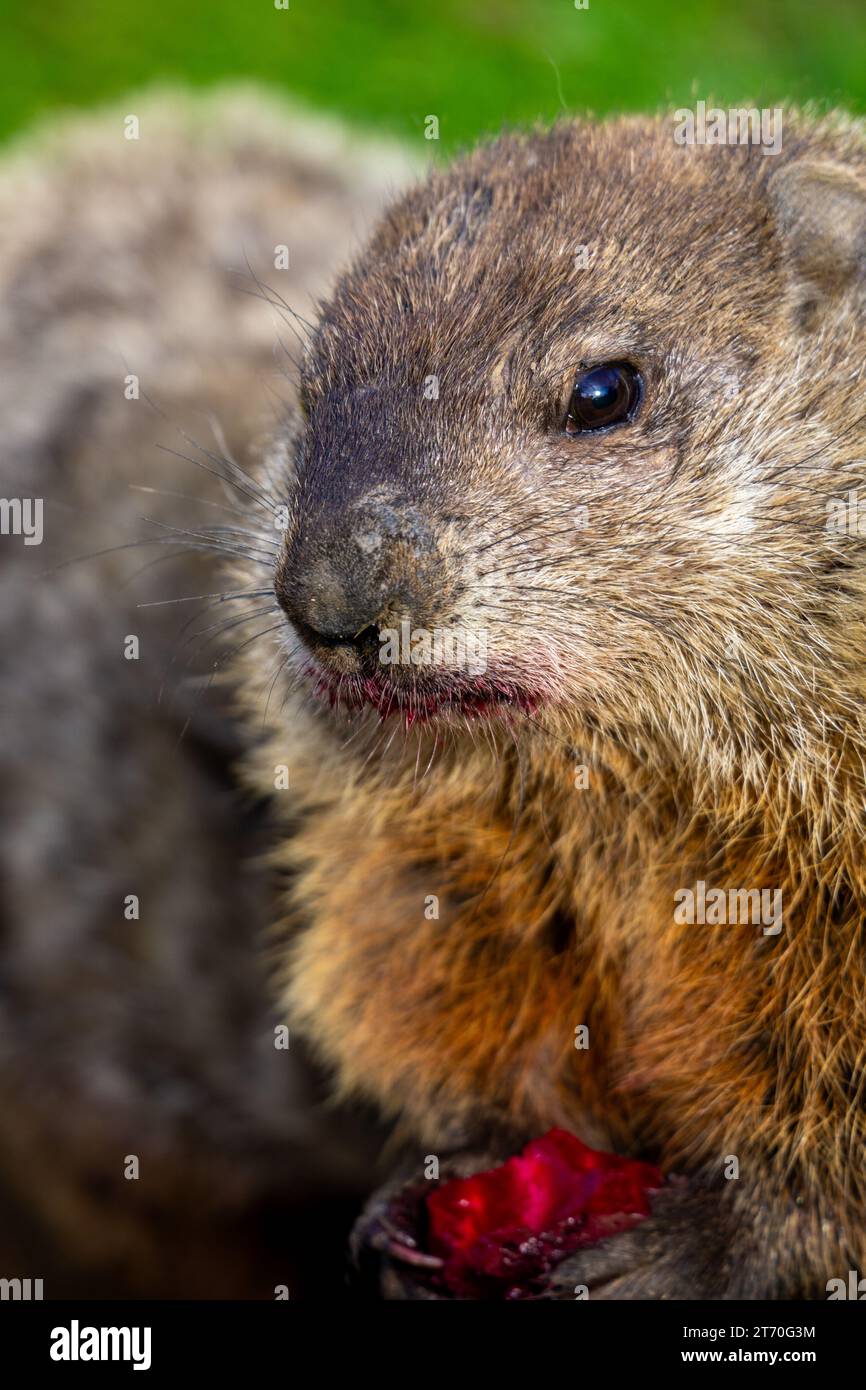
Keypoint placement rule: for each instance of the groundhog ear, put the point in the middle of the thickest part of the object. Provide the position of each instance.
(820, 211)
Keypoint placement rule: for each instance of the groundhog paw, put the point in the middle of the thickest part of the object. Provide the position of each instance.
(696, 1244)
(385, 1247)
(682, 1251)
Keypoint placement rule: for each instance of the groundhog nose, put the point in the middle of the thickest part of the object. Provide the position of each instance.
(340, 583)
(333, 602)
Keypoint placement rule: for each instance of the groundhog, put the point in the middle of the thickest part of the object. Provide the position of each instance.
(564, 534)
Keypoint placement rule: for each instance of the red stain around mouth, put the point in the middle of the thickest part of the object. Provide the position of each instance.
(468, 696)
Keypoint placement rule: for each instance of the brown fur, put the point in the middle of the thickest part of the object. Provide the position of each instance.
(699, 646)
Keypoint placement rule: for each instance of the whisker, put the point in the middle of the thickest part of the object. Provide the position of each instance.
(200, 598)
(153, 540)
(212, 537)
(266, 505)
(185, 497)
(224, 625)
(277, 300)
(225, 657)
(251, 483)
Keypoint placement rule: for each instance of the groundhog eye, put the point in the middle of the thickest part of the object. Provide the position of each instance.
(603, 396)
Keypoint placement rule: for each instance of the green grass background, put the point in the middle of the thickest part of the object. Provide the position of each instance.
(476, 64)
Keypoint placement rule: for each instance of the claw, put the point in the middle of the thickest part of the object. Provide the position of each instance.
(412, 1256)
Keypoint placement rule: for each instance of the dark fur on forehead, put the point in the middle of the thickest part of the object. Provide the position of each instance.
(681, 242)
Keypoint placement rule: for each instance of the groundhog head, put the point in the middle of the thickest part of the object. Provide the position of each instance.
(583, 429)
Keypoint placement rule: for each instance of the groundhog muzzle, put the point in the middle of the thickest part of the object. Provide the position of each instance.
(570, 691)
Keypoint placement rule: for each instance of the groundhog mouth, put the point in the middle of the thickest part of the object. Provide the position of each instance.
(426, 698)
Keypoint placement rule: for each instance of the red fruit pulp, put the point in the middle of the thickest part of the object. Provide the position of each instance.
(500, 1232)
